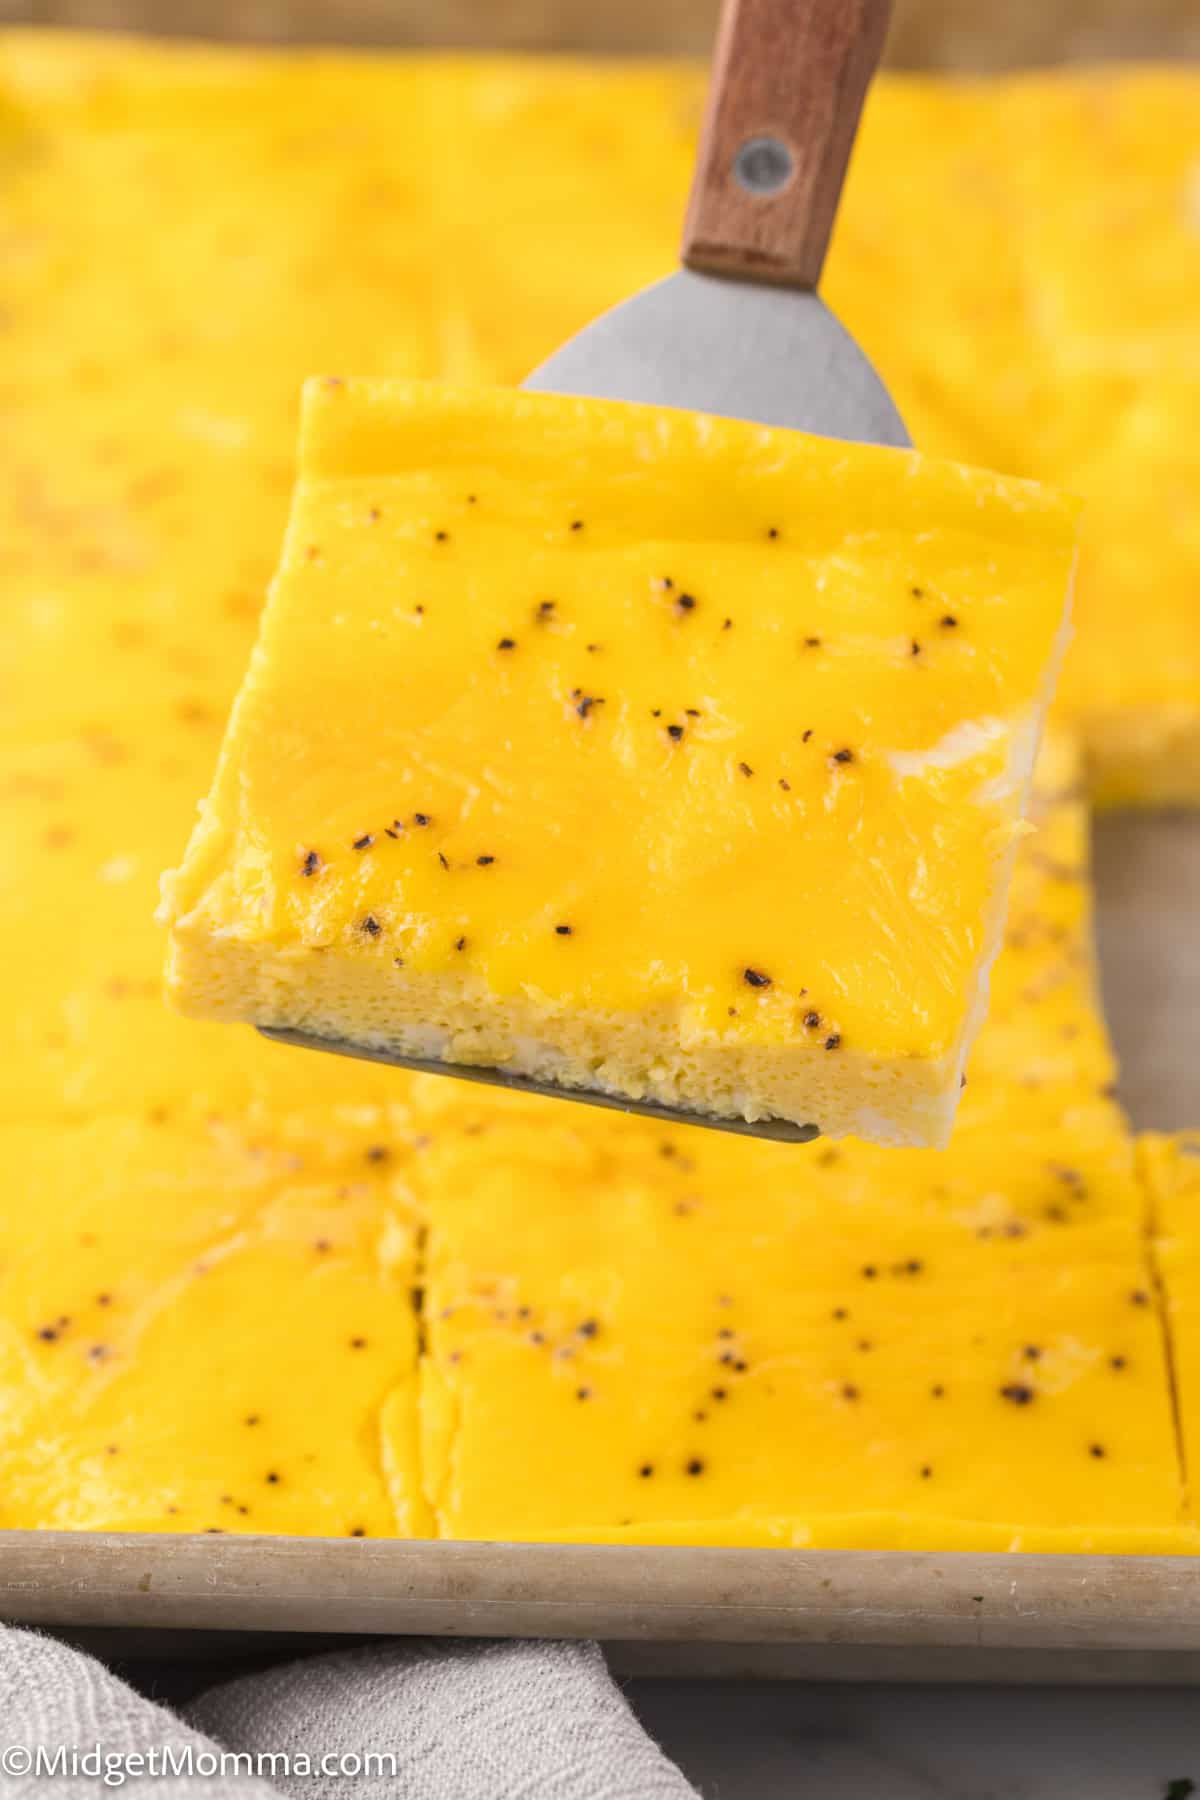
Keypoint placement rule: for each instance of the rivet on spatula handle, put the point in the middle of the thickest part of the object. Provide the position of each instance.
(789, 80)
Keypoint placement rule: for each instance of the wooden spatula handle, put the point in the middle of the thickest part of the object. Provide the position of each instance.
(789, 79)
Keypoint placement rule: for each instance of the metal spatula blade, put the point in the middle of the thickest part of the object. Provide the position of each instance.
(738, 331)
(706, 343)
(781, 1131)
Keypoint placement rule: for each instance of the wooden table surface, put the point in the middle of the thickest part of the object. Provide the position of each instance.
(925, 33)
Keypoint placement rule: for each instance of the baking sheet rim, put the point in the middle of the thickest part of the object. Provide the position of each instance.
(955, 1599)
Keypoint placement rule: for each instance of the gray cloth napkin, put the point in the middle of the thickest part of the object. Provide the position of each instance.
(442, 1721)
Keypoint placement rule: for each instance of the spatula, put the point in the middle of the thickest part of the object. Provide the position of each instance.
(739, 329)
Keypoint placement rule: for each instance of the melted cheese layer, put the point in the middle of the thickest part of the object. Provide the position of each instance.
(643, 751)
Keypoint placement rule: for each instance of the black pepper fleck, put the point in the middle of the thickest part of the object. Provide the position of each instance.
(755, 978)
(947, 621)
(310, 862)
(1018, 1393)
(675, 732)
(371, 926)
(833, 1040)
(484, 862)
(695, 1466)
(507, 643)
(1096, 1450)
(364, 842)
(842, 756)
(562, 931)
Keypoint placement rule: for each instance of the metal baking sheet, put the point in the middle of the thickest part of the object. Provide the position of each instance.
(1148, 888)
(835, 1614)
